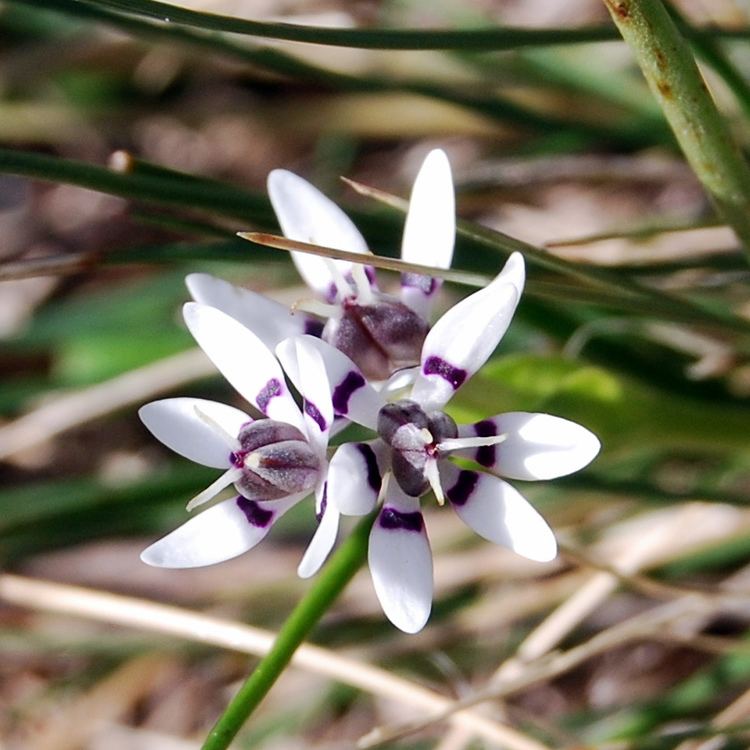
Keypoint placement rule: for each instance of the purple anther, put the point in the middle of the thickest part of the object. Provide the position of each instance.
(464, 486)
(391, 518)
(486, 454)
(256, 516)
(344, 390)
(371, 462)
(438, 366)
(312, 411)
(271, 389)
(426, 284)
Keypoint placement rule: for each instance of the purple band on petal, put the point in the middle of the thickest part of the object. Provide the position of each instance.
(323, 503)
(344, 390)
(313, 327)
(426, 284)
(464, 486)
(390, 518)
(438, 366)
(256, 516)
(271, 389)
(486, 454)
(373, 472)
(312, 411)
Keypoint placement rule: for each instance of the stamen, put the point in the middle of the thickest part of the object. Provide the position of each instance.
(231, 440)
(364, 290)
(426, 435)
(341, 284)
(316, 307)
(433, 477)
(454, 444)
(227, 478)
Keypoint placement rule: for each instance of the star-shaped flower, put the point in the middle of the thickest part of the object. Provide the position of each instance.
(381, 333)
(416, 439)
(273, 463)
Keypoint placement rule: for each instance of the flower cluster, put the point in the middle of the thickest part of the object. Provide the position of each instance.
(356, 354)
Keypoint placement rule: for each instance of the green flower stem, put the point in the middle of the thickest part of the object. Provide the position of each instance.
(330, 583)
(669, 67)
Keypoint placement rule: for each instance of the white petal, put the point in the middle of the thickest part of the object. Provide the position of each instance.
(465, 336)
(352, 396)
(321, 544)
(355, 475)
(401, 561)
(304, 365)
(244, 360)
(430, 230)
(178, 424)
(536, 446)
(220, 533)
(269, 320)
(498, 512)
(306, 215)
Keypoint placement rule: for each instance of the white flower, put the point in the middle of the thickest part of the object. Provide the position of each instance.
(416, 438)
(379, 332)
(273, 463)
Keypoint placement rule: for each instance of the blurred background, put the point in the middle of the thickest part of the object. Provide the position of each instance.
(132, 149)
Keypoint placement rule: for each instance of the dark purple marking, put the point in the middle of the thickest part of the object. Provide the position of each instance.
(486, 455)
(256, 516)
(371, 462)
(312, 411)
(314, 327)
(390, 518)
(344, 390)
(438, 366)
(426, 284)
(237, 458)
(464, 486)
(323, 504)
(271, 389)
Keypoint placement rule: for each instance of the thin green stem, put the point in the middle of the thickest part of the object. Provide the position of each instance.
(330, 583)
(484, 38)
(140, 181)
(673, 76)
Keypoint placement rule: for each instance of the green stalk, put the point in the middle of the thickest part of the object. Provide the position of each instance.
(330, 583)
(669, 67)
(488, 37)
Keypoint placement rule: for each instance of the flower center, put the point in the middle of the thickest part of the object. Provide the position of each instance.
(274, 460)
(415, 437)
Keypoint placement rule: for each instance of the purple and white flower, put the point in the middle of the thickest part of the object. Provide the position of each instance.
(416, 439)
(380, 332)
(273, 462)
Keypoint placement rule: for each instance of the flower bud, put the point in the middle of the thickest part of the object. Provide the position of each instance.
(379, 338)
(276, 460)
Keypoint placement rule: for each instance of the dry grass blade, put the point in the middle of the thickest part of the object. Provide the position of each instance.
(379, 261)
(656, 538)
(72, 409)
(664, 623)
(55, 265)
(159, 618)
